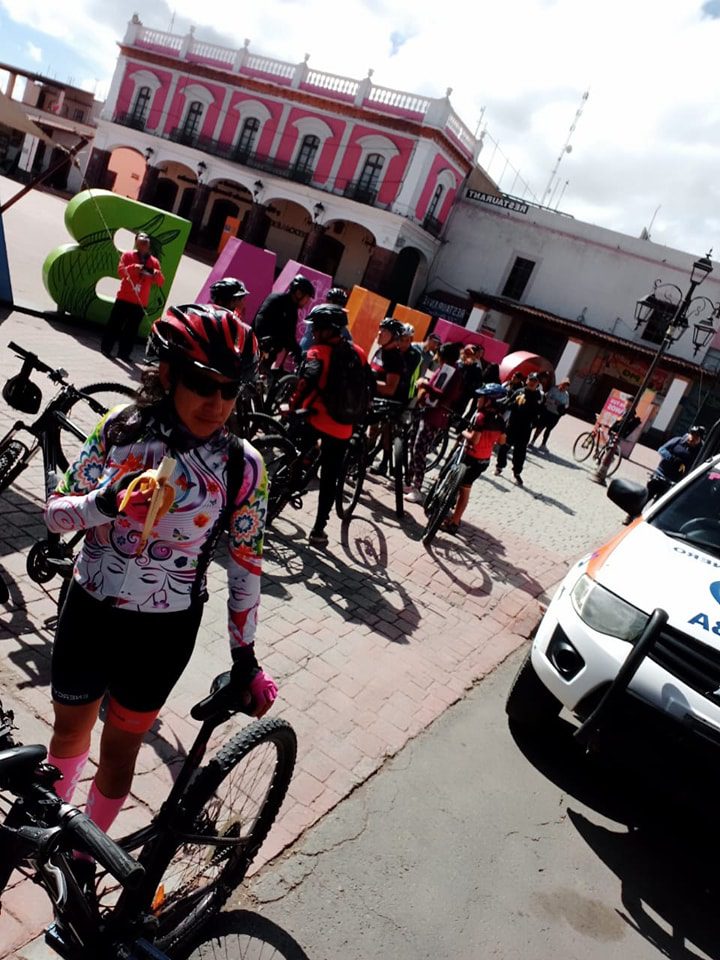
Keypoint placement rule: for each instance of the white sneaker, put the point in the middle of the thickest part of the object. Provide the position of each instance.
(414, 496)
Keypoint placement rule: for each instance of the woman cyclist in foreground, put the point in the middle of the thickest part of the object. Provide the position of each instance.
(133, 610)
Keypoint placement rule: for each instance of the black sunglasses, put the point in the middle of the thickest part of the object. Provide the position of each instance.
(205, 386)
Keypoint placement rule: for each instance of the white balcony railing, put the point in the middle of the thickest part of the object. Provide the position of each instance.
(332, 83)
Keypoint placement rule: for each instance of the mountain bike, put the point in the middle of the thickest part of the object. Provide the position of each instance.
(189, 860)
(57, 434)
(443, 492)
(389, 424)
(598, 443)
(292, 465)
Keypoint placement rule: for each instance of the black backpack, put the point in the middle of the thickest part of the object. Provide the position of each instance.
(350, 385)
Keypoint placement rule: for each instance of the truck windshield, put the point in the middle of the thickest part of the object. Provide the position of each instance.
(693, 514)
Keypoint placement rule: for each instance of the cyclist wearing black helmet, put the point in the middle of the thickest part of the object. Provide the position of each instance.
(230, 293)
(331, 377)
(337, 297)
(275, 323)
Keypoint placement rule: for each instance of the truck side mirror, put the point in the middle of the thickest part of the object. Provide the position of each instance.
(628, 495)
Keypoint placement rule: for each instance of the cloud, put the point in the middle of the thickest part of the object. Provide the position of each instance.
(34, 52)
(649, 133)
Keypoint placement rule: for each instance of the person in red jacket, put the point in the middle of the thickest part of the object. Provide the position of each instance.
(486, 430)
(138, 271)
(316, 425)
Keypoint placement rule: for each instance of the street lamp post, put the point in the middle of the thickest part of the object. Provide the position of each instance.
(676, 326)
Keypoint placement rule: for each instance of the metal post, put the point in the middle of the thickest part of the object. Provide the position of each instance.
(600, 475)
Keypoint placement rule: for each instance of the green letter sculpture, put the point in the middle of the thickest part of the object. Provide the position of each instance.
(72, 271)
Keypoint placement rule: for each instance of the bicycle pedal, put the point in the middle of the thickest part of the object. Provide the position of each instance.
(56, 937)
(296, 503)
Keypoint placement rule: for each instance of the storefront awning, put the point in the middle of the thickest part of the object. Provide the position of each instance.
(580, 331)
(12, 115)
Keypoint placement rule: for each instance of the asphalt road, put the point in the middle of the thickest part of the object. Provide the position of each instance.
(472, 843)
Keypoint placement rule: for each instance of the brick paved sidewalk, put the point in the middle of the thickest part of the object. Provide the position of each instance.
(370, 640)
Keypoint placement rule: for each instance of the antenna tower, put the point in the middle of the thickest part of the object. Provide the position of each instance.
(567, 148)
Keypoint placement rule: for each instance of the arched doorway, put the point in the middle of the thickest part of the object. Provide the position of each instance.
(289, 227)
(227, 199)
(403, 273)
(186, 202)
(129, 168)
(166, 193)
(355, 244)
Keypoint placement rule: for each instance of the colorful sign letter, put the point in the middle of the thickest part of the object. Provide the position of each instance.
(72, 271)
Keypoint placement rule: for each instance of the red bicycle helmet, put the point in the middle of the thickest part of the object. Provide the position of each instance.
(208, 337)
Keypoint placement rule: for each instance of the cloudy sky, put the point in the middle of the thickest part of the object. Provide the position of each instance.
(648, 136)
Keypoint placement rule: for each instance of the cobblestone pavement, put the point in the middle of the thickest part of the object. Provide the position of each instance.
(370, 639)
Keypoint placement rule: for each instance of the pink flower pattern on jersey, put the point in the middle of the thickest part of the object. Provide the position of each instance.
(162, 575)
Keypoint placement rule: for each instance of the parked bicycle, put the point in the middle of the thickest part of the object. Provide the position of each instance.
(389, 431)
(598, 443)
(291, 468)
(443, 492)
(190, 858)
(57, 433)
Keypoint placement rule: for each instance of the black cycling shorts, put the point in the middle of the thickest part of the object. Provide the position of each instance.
(473, 469)
(136, 657)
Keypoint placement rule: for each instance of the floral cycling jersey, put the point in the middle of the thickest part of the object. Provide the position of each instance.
(162, 576)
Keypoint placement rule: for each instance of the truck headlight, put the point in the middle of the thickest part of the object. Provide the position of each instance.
(605, 611)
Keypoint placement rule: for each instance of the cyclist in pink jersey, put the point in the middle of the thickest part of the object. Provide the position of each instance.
(128, 625)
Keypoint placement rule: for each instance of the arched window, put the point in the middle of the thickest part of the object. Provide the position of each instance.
(247, 137)
(370, 176)
(191, 126)
(306, 154)
(432, 208)
(142, 99)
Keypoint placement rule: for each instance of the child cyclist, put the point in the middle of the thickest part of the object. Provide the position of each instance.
(133, 610)
(487, 429)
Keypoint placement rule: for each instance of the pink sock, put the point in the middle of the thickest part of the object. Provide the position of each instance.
(70, 768)
(102, 810)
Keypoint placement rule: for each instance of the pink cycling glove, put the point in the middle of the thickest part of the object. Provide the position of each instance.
(264, 691)
(137, 506)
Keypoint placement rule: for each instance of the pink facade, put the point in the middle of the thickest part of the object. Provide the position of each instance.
(439, 164)
(128, 90)
(392, 173)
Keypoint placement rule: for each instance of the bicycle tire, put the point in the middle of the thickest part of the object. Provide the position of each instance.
(84, 414)
(614, 462)
(280, 393)
(352, 478)
(12, 455)
(398, 466)
(252, 425)
(437, 450)
(583, 446)
(279, 456)
(193, 886)
(445, 498)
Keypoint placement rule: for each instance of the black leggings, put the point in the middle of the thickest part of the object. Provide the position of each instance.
(134, 656)
(332, 451)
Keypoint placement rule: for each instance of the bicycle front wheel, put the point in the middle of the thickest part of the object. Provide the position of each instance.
(584, 446)
(84, 414)
(398, 452)
(352, 478)
(12, 462)
(437, 450)
(225, 816)
(613, 461)
(279, 456)
(444, 500)
(280, 393)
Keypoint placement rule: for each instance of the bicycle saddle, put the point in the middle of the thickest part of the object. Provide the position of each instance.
(22, 394)
(19, 762)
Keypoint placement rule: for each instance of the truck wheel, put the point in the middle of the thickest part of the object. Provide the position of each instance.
(530, 701)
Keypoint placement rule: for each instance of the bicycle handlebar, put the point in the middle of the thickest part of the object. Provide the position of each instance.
(37, 364)
(90, 837)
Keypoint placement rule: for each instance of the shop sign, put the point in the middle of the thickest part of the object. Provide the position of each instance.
(505, 202)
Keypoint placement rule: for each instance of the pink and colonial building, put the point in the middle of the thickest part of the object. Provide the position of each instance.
(349, 177)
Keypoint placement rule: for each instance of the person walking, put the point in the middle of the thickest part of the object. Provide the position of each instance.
(139, 271)
(676, 457)
(331, 379)
(557, 402)
(524, 406)
(132, 613)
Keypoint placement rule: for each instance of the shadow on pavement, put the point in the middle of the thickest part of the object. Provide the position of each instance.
(361, 592)
(474, 550)
(662, 794)
(242, 934)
